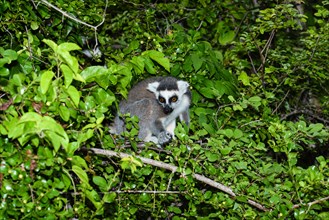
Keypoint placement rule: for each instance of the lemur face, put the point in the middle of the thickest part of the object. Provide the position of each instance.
(169, 93)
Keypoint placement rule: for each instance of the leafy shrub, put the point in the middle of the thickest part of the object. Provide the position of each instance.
(257, 144)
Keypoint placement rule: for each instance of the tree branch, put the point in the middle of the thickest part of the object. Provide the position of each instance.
(72, 17)
(311, 203)
(173, 168)
(305, 112)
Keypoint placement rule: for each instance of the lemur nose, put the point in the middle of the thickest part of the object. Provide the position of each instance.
(167, 109)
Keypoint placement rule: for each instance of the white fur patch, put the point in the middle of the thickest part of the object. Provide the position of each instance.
(152, 87)
(182, 86)
(183, 106)
(171, 128)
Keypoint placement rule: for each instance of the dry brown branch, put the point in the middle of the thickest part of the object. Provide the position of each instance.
(173, 168)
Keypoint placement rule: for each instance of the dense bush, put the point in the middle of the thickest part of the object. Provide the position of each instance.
(257, 146)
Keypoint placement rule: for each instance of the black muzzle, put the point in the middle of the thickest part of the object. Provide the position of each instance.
(167, 109)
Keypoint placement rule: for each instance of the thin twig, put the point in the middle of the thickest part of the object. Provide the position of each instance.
(311, 203)
(284, 98)
(29, 43)
(251, 122)
(11, 37)
(252, 64)
(200, 25)
(313, 51)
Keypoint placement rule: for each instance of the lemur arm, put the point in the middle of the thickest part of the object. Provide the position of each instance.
(181, 112)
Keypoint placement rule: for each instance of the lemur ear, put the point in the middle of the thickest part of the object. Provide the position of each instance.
(182, 86)
(152, 87)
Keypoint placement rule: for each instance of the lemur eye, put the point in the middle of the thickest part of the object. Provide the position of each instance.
(174, 99)
(162, 100)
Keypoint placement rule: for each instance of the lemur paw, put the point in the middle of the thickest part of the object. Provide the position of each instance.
(164, 137)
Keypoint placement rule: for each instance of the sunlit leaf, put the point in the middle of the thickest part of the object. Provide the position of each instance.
(46, 79)
(159, 58)
(226, 37)
(74, 95)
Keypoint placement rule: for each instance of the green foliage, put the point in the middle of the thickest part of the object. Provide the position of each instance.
(259, 114)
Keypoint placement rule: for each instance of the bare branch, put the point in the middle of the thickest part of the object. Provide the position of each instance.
(173, 168)
(148, 191)
(306, 112)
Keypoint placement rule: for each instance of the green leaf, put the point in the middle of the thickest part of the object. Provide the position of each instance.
(275, 199)
(71, 148)
(188, 64)
(54, 138)
(228, 133)
(4, 61)
(207, 92)
(30, 116)
(226, 37)
(225, 151)
(197, 62)
(212, 157)
(149, 65)
(132, 46)
(66, 57)
(64, 112)
(94, 198)
(255, 101)
(104, 97)
(109, 197)
(100, 181)
(81, 174)
(74, 95)
(237, 134)
(4, 71)
(159, 58)
(68, 47)
(84, 136)
(79, 161)
(68, 75)
(19, 129)
(51, 44)
(46, 79)
(240, 165)
(10, 54)
(244, 78)
(34, 25)
(138, 64)
(316, 127)
(175, 210)
(91, 73)
(54, 132)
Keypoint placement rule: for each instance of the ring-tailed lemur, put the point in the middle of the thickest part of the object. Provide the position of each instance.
(157, 102)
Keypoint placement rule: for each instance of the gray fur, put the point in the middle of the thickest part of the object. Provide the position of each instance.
(154, 123)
